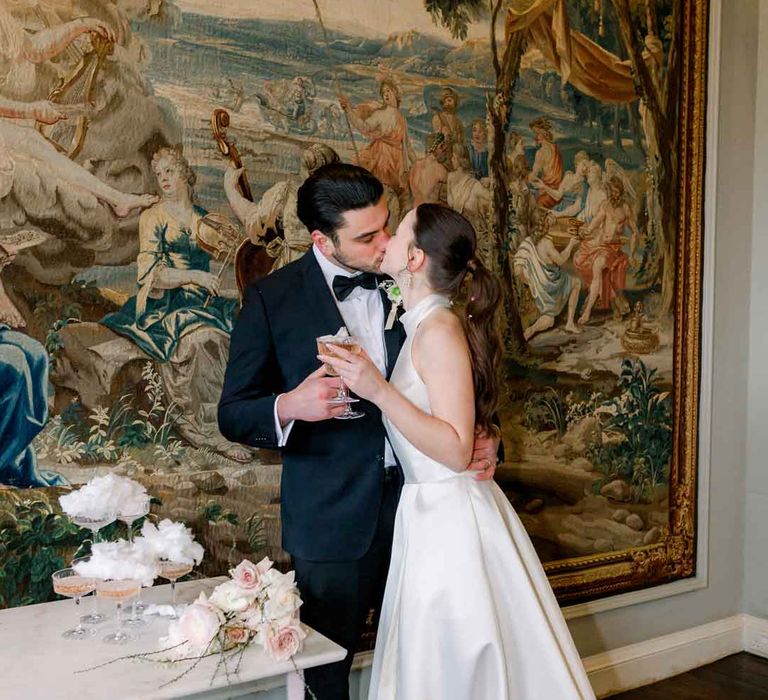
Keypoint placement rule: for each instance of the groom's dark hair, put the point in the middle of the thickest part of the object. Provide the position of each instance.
(332, 190)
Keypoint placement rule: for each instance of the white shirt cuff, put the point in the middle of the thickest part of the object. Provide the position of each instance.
(282, 432)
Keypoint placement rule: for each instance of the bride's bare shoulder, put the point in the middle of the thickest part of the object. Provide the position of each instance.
(440, 327)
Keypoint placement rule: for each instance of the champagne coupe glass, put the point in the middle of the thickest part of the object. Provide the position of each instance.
(353, 345)
(69, 583)
(94, 523)
(129, 518)
(173, 570)
(94, 617)
(119, 590)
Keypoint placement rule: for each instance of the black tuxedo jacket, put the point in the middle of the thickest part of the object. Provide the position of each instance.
(333, 470)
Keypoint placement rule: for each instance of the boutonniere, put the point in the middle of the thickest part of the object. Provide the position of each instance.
(395, 297)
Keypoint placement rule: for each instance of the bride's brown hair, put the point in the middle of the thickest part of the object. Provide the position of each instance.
(450, 243)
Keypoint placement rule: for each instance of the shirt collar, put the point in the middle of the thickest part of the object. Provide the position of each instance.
(329, 268)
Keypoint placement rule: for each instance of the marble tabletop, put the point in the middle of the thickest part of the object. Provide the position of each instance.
(36, 662)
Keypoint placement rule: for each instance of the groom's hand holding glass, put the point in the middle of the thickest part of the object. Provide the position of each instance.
(362, 376)
(312, 400)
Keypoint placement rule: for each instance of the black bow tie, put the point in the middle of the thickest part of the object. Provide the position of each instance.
(343, 286)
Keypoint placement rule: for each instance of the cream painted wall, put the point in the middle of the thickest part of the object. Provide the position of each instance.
(756, 539)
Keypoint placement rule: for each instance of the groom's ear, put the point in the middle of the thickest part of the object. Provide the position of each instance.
(322, 241)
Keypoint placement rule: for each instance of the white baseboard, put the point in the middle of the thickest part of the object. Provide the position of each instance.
(756, 635)
(647, 662)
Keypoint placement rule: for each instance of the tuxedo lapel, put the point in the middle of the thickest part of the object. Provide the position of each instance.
(394, 337)
(323, 314)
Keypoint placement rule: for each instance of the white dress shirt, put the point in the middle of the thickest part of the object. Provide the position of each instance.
(363, 315)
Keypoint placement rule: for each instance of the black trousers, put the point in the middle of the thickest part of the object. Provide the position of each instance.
(338, 596)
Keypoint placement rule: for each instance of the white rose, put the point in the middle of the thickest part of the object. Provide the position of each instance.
(285, 642)
(273, 577)
(199, 624)
(229, 597)
(248, 575)
(283, 601)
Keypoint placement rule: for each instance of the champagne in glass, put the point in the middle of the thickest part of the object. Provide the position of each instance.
(69, 583)
(119, 590)
(350, 344)
(323, 348)
(173, 570)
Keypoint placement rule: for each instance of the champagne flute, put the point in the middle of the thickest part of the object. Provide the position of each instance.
(173, 570)
(69, 583)
(118, 590)
(353, 345)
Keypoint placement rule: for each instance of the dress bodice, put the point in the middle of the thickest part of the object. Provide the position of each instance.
(417, 466)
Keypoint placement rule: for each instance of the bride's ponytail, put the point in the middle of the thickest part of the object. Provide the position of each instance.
(449, 241)
(484, 339)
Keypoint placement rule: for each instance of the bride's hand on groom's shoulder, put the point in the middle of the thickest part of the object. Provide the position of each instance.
(358, 372)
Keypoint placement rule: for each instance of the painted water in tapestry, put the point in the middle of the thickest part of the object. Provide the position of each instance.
(117, 307)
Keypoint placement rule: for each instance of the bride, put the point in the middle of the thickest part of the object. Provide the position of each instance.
(468, 613)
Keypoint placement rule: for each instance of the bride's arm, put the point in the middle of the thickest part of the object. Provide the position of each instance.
(441, 357)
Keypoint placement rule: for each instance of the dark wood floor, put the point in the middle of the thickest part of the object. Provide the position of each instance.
(738, 677)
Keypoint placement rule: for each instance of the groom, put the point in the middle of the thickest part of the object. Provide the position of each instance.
(340, 479)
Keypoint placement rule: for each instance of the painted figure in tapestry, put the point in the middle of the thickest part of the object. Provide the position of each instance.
(389, 154)
(178, 317)
(23, 396)
(277, 208)
(539, 265)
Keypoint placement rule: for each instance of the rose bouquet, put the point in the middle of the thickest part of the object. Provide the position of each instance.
(257, 604)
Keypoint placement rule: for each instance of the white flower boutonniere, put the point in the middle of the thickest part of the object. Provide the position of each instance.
(395, 297)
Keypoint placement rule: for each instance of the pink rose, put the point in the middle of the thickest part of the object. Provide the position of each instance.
(286, 642)
(199, 624)
(237, 635)
(248, 575)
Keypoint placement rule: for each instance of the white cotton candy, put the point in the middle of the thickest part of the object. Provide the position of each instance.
(106, 495)
(118, 560)
(172, 541)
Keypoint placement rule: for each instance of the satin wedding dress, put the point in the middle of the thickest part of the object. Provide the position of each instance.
(468, 613)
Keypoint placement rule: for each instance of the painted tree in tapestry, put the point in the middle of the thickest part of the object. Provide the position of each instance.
(550, 124)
